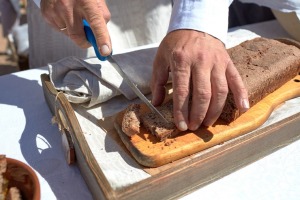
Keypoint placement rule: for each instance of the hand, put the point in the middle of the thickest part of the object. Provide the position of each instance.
(200, 68)
(67, 15)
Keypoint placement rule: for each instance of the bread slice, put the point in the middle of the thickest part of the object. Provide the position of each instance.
(137, 115)
(3, 181)
(7, 192)
(13, 194)
(3, 164)
(153, 123)
(131, 120)
(264, 65)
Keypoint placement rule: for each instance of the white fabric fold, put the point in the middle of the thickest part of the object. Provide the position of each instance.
(90, 82)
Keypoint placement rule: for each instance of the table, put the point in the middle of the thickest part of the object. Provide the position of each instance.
(27, 134)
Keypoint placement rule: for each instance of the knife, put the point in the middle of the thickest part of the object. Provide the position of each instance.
(91, 38)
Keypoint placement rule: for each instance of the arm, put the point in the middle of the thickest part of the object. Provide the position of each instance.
(195, 55)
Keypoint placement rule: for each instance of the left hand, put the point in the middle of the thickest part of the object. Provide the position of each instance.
(200, 68)
(66, 16)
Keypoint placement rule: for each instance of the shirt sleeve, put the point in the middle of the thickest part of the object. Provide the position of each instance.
(37, 2)
(209, 16)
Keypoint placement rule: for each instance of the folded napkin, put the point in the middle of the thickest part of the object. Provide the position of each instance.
(90, 81)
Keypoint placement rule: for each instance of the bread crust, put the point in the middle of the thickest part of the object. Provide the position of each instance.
(264, 65)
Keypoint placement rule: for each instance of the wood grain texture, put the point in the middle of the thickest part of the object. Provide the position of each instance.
(150, 152)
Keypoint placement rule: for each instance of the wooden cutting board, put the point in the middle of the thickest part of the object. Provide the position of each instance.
(151, 152)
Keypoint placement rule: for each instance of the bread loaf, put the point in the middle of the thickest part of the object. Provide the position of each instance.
(264, 65)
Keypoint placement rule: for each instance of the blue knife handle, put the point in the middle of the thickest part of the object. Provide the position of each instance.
(91, 38)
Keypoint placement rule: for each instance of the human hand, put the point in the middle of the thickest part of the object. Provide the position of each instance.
(200, 67)
(67, 15)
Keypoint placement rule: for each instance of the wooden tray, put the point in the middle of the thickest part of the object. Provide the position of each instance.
(187, 173)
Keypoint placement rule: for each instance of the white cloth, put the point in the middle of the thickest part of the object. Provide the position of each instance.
(91, 82)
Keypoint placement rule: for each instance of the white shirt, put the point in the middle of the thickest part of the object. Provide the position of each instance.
(211, 16)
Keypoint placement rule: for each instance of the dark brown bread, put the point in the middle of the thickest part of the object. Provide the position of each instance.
(137, 115)
(156, 126)
(264, 65)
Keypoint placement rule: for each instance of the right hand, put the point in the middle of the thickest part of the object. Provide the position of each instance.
(61, 14)
(201, 67)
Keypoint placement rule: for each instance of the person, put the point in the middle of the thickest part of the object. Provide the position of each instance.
(194, 53)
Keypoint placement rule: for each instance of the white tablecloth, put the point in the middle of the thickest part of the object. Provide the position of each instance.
(28, 135)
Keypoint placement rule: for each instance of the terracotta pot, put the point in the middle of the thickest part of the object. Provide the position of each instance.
(24, 178)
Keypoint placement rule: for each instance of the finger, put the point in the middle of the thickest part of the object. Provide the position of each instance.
(60, 25)
(219, 95)
(237, 87)
(201, 94)
(53, 14)
(76, 32)
(160, 75)
(181, 91)
(95, 17)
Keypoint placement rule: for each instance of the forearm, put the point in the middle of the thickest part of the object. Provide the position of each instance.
(202, 15)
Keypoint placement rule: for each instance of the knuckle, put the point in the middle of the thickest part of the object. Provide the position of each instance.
(203, 94)
(179, 56)
(242, 90)
(202, 55)
(234, 77)
(222, 90)
(182, 92)
(107, 16)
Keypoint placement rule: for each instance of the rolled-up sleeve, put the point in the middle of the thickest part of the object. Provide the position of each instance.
(209, 16)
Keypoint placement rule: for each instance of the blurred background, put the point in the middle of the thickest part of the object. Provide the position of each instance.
(13, 36)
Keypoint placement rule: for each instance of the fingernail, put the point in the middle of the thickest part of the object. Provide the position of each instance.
(245, 105)
(194, 127)
(182, 126)
(104, 49)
